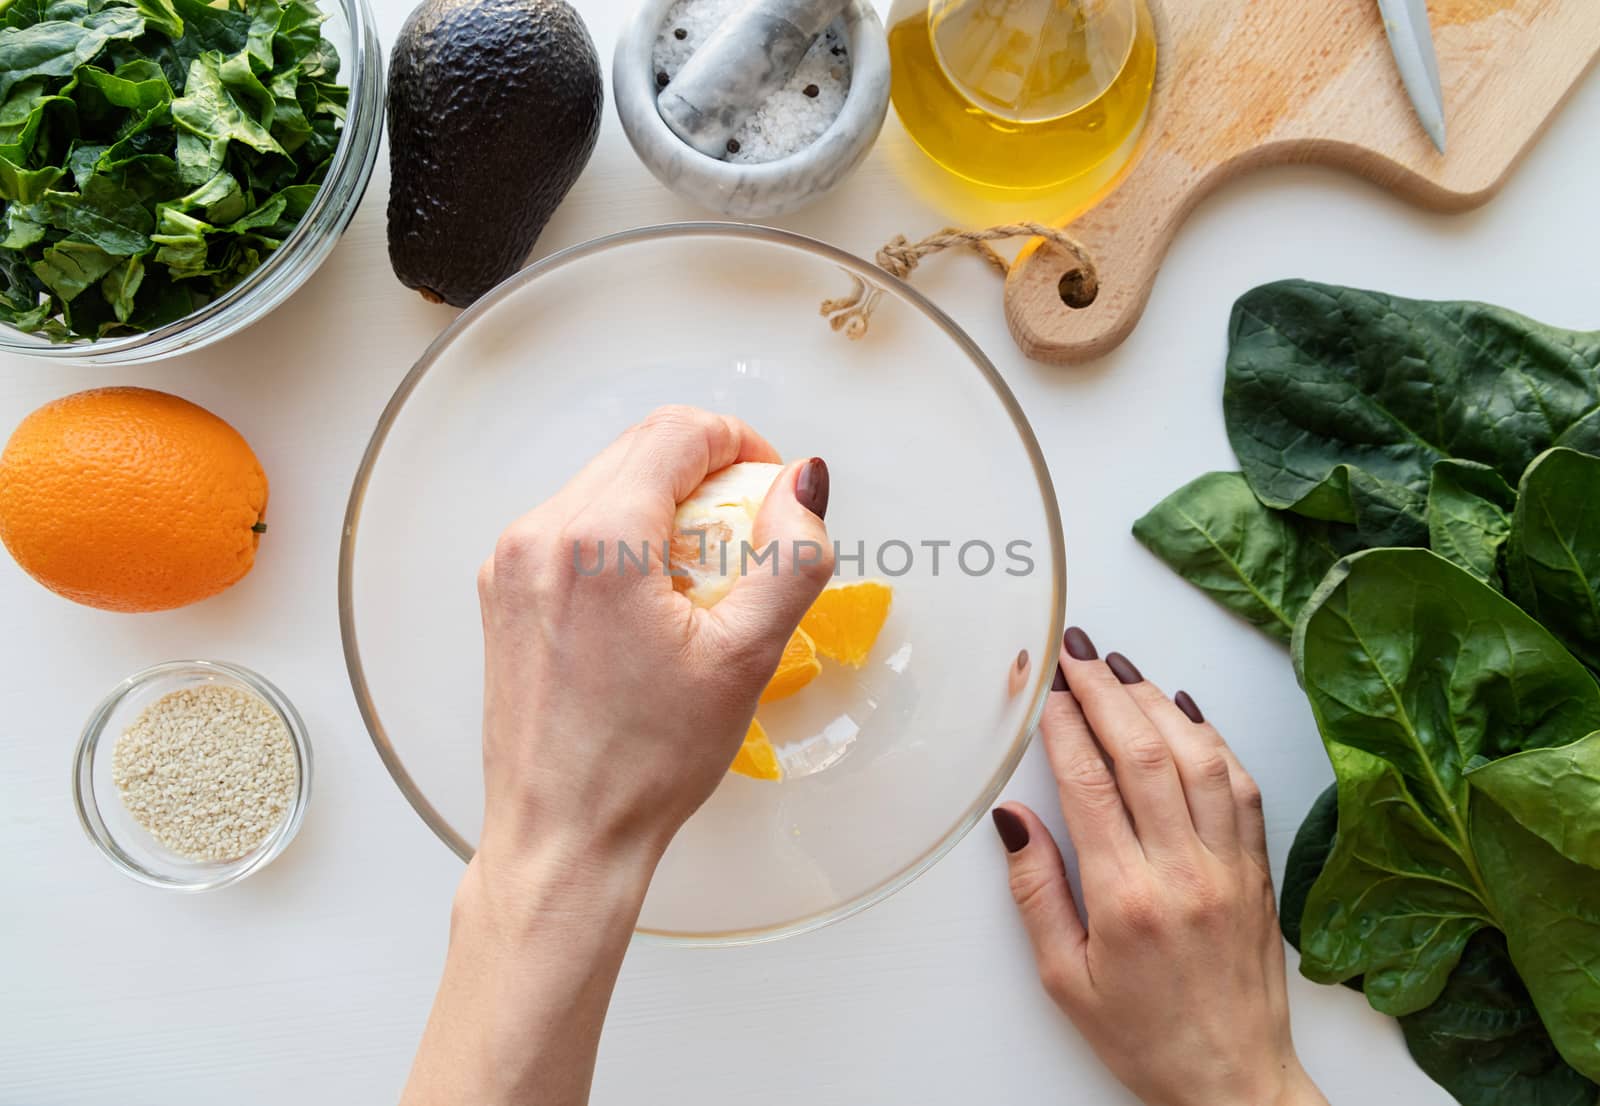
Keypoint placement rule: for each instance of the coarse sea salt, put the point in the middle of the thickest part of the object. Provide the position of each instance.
(793, 117)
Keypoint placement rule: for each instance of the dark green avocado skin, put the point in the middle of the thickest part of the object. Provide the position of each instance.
(494, 107)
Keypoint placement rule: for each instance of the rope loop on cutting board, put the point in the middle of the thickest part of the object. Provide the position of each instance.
(899, 257)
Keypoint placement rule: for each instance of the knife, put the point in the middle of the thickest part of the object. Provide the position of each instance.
(1411, 41)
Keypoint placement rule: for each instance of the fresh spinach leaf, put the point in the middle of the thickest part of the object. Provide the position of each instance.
(1583, 435)
(25, 186)
(90, 314)
(20, 230)
(265, 19)
(161, 16)
(121, 285)
(1408, 658)
(219, 200)
(319, 145)
(104, 213)
(1417, 673)
(84, 161)
(1339, 402)
(206, 28)
(208, 113)
(69, 267)
(1396, 900)
(245, 87)
(54, 48)
(133, 86)
(153, 153)
(149, 134)
(1554, 793)
(23, 116)
(22, 13)
(1469, 516)
(1308, 855)
(25, 13)
(181, 244)
(29, 320)
(1483, 1041)
(151, 177)
(1263, 565)
(1549, 909)
(169, 302)
(1553, 556)
(300, 30)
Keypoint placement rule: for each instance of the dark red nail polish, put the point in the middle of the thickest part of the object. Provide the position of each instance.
(1122, 668)
(811, 487)
(1013, 831)
(1060, 682)
(1185, 702)
(1079, 647)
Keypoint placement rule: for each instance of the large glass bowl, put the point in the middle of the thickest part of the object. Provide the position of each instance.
(887, 767)
(350, 27)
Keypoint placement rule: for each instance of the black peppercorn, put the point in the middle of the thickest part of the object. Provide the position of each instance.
(733, 145)
(662, 79)
(680, 34)
(811, 90)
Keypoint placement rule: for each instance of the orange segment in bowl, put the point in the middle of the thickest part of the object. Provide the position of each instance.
(797, 668)
(846, 619)
(757, 758)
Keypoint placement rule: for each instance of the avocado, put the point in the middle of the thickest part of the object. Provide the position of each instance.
(494, 107)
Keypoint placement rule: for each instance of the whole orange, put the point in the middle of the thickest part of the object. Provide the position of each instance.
(128, 499)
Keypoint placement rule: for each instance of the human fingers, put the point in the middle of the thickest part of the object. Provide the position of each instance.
(620, 463)
(768, 600)
(1044, 899)
(670, 453)
(1203, 765)
(1247, 801)
(1246, 795)
(1090, 800)
(1146, 772)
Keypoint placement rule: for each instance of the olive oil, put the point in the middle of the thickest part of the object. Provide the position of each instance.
(1025, 94)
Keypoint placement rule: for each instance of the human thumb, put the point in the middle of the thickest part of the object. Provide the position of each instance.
(790, 562)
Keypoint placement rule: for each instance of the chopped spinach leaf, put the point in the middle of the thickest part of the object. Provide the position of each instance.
(153, 153)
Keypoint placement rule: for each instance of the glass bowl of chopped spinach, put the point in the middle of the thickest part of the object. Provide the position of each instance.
(171, 170)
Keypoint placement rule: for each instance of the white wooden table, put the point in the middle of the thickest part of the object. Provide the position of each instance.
(309, 983)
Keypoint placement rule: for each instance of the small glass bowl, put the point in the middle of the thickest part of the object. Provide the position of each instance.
(127, 844)
(353, 32)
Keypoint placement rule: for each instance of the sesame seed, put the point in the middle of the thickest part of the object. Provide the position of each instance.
(209, 771)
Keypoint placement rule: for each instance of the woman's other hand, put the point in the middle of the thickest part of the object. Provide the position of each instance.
(1175, 971)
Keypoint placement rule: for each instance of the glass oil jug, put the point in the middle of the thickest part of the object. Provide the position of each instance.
(1025, 94)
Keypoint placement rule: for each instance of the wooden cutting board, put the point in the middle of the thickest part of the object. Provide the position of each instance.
(1246, 83)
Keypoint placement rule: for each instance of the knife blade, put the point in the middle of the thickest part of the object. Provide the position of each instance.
(1411, 42)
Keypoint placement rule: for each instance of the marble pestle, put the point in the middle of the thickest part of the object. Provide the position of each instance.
(748, 58)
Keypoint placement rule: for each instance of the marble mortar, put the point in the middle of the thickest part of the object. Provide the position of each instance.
(766, 188)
